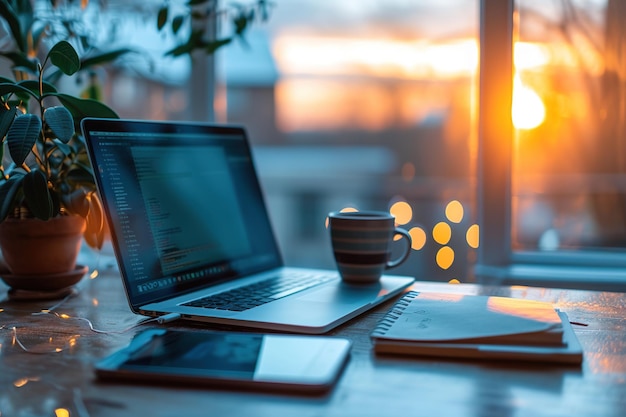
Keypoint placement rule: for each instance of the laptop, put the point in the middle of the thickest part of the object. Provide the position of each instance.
(192, 235)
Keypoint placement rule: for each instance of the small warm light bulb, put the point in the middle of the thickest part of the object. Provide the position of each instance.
(454, 281)
(95, 302)
(61, 412)
(64, 316)
(94, 274)
(20, 382)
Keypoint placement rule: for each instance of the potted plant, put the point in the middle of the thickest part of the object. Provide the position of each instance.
(48, 177)
(48, 200)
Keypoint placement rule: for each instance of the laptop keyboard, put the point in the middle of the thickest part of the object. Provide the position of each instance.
(262, 292)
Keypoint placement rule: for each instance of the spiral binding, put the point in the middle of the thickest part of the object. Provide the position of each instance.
(394, 313)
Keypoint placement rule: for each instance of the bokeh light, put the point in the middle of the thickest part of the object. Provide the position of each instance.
(348, 210)
(343, 210)
(418, 237)
(473, 236)
(454, 211)
(402, 211)
(442, 233)
(61, 412)
(445, 257)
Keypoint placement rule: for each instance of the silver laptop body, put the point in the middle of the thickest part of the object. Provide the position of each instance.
(188, 220)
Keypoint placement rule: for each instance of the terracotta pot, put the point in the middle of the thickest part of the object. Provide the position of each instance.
(33, 246)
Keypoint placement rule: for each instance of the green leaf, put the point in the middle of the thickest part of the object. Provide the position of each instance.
(194, 41)
(33, 86)
(162, 17)
(241, 23)
(63, 147)
(60, 120)
(213, 46)
(81, 108)
(6, 122)
(8, 193)
(77, 202)
(177, 23)
(104, 58)
(180, 50)
(37, 195)
(94, 234)
(22, 136)
(64, 56)
(12, 19)
(13, 88)
(80, 176)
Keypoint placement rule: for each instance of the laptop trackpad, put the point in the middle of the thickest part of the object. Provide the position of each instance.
(344, 294)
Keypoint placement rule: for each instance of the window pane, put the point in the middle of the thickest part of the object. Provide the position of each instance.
(569, 110)
(368, 105)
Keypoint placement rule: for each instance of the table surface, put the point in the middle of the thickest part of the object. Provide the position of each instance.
(46, 366)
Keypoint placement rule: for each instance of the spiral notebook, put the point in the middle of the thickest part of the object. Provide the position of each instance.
(476, 327)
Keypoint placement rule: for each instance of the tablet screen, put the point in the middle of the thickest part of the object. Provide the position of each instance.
(224, 354)
(231, 359)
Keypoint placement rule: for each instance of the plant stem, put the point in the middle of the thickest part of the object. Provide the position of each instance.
(43, 156)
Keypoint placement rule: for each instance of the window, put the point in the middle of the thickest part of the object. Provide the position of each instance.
(381, 105)
(552, 175)
(367, 105)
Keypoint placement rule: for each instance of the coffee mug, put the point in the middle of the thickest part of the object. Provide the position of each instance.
(361, 243)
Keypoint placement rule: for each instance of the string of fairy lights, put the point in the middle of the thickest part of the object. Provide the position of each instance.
(51, 311)
(77, 404)
(14, 328)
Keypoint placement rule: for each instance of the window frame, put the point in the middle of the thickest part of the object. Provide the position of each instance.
(497, 263)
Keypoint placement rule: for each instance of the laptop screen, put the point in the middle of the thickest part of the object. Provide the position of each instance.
(183, 202)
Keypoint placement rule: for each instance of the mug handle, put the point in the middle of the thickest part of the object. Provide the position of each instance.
(407, 251)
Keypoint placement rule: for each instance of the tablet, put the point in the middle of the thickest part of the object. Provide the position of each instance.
(230, 359)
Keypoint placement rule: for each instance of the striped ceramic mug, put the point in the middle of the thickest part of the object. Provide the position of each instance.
(361, 244)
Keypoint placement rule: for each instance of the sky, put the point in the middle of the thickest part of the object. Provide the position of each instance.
(398, 17)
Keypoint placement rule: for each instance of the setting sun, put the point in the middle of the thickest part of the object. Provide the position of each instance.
(528, 110)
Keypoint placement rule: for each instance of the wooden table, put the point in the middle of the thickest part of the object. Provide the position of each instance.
(61, 383)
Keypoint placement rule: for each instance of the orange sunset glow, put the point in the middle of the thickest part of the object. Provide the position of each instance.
(375, 83)
(376, 57)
